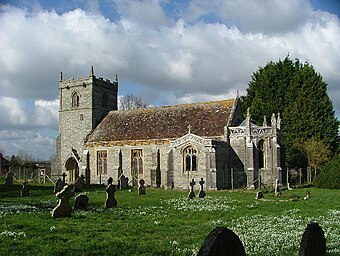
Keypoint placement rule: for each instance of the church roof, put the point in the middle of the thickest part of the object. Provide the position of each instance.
(206, 119)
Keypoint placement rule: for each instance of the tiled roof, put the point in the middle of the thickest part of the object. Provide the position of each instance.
(206, 119)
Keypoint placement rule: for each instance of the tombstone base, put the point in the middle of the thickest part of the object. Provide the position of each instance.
(191, 195)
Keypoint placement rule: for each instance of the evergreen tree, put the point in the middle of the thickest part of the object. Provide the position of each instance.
(300, 95)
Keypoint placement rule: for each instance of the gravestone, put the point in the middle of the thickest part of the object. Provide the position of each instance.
(9, 178)
(277, 190)
(63, 209)
(24, 190)
(259, 195)
(58, 186)
(110, 195)
(307, 195)
(192, 193)
(123, 182)
(78, 185)
(81, 202)
(222, 241)
(202, 193)
(313, 242)
(141, 188)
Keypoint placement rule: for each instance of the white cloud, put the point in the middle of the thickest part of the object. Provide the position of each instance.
(12, 112)
(30, 142)
(253, 16)
(20, 114)
(171, 60)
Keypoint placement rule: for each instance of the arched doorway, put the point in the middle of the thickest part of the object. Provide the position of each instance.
(72, 169)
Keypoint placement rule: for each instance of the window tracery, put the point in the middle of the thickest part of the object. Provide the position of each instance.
(190, 159)
(75, 100)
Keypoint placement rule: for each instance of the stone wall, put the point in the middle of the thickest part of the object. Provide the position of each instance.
(76, 122)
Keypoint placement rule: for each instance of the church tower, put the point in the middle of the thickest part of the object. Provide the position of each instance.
(83, 103)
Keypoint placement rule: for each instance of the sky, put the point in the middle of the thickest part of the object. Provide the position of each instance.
(168, 52)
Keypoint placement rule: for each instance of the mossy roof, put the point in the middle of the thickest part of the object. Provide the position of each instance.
(206, 119)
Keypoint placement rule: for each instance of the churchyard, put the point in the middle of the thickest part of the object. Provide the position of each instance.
(163, 222)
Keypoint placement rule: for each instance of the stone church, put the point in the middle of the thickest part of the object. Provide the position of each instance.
(166, 146)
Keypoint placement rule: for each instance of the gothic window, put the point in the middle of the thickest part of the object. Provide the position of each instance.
(261, 154)
(158, 169)
(137, 161)
(190, 159)
(75, 100)
(101, 162)
(120, 167)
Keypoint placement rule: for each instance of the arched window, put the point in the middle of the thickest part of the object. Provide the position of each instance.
(190, 159)
(120, 167)
(75, 100)
(261, 154)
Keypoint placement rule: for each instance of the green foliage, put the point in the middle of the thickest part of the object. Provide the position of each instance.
(316, 151)
(297, 92)
(329, 176)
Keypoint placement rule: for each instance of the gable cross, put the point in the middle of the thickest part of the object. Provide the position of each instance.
(192, 184)
(189, 128)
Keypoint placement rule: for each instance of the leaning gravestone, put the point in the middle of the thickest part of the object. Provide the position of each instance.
(222, 241)
(78, 185)
(63, 209)
(24, 189)
(202, 193)
(9, 178)
(58, 186)
(110, 195)
(123, 181)
(192, 193)
(313, 242)
(141, 187)
(259, 195)
(81, 202)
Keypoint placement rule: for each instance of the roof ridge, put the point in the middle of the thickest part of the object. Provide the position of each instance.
(217, 102)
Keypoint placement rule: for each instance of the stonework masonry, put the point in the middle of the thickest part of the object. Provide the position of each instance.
(165, 146)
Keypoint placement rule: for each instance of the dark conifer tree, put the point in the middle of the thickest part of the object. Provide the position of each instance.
(300, 95)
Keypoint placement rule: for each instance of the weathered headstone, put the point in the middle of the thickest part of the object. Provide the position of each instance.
(9, 178)
(24, 190)
(192, 193)
(63, 209)
(202, 193)
(110, 195)
(141, 187)
(123, 181)
(222, 241)
(78, 185)
(307, 195)
(81, 202)
(277, 190)
(58, 186)
(313, 242)
(259, 195)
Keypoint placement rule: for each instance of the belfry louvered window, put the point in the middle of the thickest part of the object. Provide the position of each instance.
(75, 100)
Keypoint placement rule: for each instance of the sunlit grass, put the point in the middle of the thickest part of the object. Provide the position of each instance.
(164, 222)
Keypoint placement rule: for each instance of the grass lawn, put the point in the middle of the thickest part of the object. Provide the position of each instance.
(163, 222)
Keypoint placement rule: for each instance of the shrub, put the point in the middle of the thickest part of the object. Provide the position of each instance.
(329, 176)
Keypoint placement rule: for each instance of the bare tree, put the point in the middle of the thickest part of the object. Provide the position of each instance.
(130, 101)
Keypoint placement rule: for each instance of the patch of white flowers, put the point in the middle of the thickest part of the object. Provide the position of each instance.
(13, 234)
(207, 204)
(9, 208)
